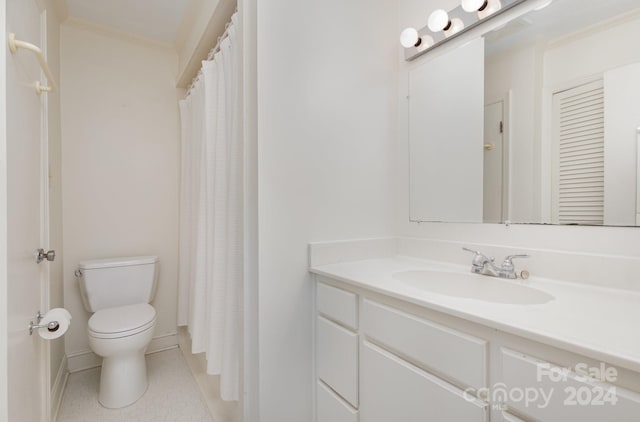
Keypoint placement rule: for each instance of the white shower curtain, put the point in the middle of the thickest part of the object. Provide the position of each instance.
(211, 216)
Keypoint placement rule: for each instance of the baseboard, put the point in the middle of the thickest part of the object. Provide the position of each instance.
(57, 390)
(87, 359)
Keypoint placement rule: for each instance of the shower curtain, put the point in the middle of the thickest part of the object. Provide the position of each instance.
(211, 215)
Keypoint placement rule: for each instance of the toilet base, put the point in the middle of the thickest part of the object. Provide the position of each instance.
(123, 380)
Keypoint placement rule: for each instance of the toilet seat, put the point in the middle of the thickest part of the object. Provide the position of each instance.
(122, 321)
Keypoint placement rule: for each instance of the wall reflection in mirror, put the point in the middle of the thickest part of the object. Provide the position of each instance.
(560, 143)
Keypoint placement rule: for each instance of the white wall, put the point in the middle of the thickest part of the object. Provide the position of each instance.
(599, 240)
(120, 162)
(446, 160)
(511, 75)
(327, 93)
(621, 121)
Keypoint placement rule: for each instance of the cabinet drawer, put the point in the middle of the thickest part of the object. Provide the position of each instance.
(508, 417)
(571, 396)
(338, 305)
(331, 408)
(337, 359)
(453, 354)
(393, 390)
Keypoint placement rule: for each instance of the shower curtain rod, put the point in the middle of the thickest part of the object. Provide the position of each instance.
(211, 54)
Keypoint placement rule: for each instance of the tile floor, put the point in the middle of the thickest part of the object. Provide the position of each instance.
(173, 395)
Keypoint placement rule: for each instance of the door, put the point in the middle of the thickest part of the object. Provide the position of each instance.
(493, 198)
(25, 219)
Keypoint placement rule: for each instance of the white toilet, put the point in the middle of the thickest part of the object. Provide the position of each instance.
(118, 291)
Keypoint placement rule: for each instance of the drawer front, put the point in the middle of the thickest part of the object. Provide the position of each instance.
(455, 355)
(338, 305)
(337, 359)
(569, 397)
(331, 408)
(508, 417)
(393, 390)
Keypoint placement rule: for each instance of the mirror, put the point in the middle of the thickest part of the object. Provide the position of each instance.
(559, 140)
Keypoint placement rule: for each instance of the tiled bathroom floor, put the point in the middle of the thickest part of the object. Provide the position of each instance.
(173, 395)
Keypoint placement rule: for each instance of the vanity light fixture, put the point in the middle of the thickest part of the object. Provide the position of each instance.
(484, 8)
(410, 37)
(443, 26)
(439, 21)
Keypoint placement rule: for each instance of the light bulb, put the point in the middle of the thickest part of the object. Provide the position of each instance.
(455, 25)
(409, 38)
(439, 21)
(490, 8)
(425, 43)
(473, 5)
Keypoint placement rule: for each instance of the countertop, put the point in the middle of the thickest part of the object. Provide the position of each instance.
(597, 322)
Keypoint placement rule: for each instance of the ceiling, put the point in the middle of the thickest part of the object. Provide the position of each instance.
(154, 19)
(560, 19)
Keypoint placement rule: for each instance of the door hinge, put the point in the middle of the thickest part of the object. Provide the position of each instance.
(501, 127)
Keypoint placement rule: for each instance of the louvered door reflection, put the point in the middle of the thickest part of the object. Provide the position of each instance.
(578, 167)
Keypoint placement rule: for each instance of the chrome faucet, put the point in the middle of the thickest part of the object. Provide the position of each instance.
(484, 265)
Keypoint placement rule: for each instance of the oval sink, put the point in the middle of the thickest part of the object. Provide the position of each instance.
(473, 286)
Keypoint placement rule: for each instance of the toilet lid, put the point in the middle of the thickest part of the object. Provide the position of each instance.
(122, 321)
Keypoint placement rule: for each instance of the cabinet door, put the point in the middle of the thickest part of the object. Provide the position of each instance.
(545, 392)
(394, 390)
(337, 359)
(331, 408)
(508, 417)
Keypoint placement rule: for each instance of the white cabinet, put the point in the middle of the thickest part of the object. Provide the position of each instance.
(379, 359)
(394, 390)
(561, 394)
(332, 408)
(337, 359)
(337, 305)
(457, 356)
(508, 417)
(336, 355)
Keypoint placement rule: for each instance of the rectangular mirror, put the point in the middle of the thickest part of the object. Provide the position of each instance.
(558, 143)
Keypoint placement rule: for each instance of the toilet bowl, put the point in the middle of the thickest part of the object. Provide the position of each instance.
(119, 291)
(120, 335)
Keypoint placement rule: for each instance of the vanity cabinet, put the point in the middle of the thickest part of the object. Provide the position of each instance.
(381, 359)
(337, 359)
(570, 396)
(336, 355)
(394, 390)
(457, 357)
(379, 364)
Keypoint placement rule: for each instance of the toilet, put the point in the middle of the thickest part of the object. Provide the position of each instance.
(118, 292)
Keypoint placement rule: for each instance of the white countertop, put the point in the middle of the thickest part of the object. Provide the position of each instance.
(597, 322)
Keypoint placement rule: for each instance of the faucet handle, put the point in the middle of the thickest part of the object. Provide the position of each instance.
(471, 250)
(507, 264)
(479, 258)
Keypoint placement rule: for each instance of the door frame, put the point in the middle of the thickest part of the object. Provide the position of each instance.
(45, 270)
(4, 381)
(44, 352)
(506, 101)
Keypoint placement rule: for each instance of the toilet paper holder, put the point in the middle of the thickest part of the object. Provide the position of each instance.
(52, 326)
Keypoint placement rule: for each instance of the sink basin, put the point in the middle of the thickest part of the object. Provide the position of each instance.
(473, 286)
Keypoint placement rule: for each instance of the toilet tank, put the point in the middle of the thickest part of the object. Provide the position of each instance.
(107, 283)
